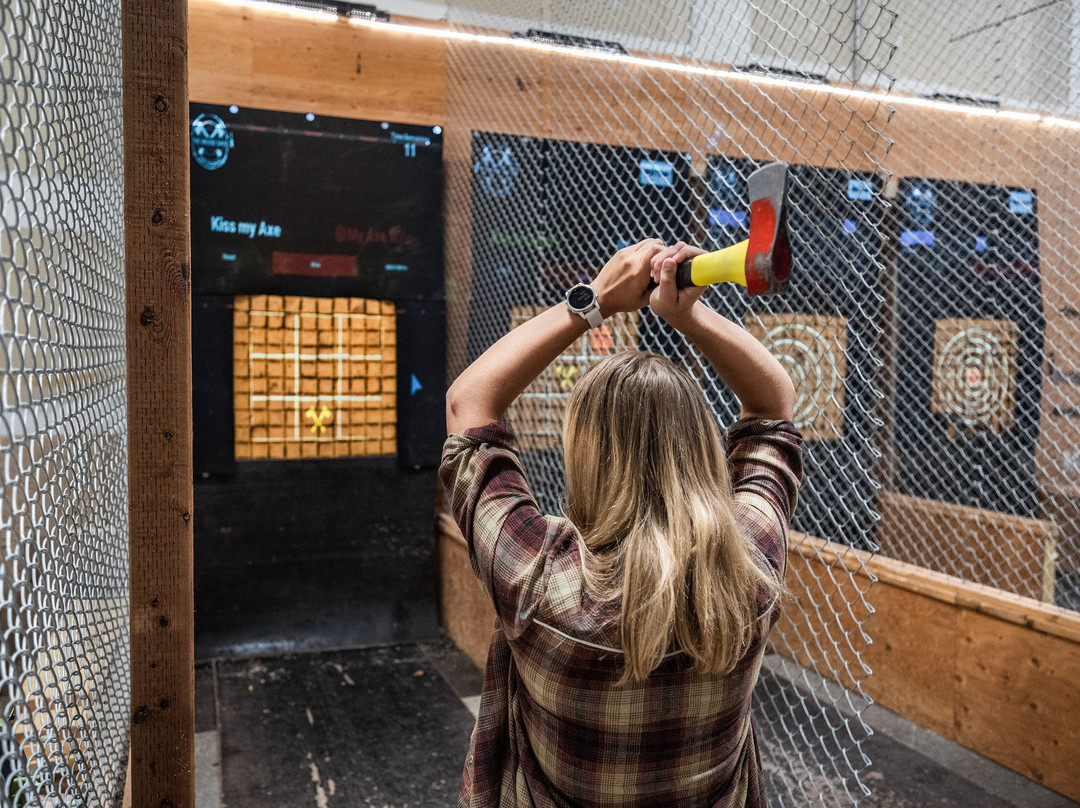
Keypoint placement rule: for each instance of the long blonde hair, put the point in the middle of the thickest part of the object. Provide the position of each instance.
(647, 485)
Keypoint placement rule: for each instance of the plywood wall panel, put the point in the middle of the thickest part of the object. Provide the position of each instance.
(829, 646)
(913, 660)
(1016, 700)
(466, 612)
(276, 60)
(955, 145)
(991, 671)
(996, 549)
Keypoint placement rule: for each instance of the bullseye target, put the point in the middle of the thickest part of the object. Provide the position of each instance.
(975, 372)
(813, 350)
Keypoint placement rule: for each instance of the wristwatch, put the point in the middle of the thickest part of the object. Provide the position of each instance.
(581, 299)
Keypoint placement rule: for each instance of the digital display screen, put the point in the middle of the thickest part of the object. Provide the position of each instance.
(547, 214)
(971, 330)
(290, 203)
(314, 376)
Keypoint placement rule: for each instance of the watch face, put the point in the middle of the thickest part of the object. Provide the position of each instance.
(581, 297)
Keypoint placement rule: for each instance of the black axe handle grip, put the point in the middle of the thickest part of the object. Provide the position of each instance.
(682, 275)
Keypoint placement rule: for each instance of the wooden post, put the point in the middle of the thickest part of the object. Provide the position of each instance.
(157, 243)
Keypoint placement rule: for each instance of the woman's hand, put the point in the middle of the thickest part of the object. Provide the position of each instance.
(674, 305)
(623, 283)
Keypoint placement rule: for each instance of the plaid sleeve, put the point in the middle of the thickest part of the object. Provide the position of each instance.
(765, 459)
(509, 538)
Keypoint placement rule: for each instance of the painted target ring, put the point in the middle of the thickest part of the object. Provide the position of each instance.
(974, 376)
(816, 366)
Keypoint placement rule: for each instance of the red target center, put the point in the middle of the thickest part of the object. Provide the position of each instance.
(973, 376)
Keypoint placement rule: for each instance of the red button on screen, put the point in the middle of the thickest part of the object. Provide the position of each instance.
(321, 266)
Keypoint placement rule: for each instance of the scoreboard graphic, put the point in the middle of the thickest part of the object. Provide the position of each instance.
(318, 288)
(314, 377)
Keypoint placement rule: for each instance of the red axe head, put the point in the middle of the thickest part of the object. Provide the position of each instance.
(768, 252)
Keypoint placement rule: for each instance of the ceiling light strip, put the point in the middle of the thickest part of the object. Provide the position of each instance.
(675, 67)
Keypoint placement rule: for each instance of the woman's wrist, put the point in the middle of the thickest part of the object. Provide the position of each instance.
(604, 299)
(607, 309)
(691, 321)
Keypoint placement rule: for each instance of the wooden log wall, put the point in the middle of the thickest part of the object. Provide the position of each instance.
(271, 59)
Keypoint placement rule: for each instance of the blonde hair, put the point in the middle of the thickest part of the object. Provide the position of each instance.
(647, 485)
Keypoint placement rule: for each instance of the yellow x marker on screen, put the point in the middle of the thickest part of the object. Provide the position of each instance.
(318, 418)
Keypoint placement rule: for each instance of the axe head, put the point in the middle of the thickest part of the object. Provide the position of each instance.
(768, 254)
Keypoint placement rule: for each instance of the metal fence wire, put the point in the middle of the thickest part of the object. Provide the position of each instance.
(931, 324)
(915, 326)
(982, 463)
(64, 677)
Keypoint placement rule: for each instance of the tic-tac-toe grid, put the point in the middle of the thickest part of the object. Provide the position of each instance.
(314, 377)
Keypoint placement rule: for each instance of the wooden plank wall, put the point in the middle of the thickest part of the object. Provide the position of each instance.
(278, 60)
(991, 671)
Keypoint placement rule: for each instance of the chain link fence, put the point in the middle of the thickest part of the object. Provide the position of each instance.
(64, 680)
(983, 449)
(647, 121)
(930, 326)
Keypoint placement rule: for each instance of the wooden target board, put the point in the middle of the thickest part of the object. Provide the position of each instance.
(537, 414)
(314, 377)
(813, 350)
(975, 372)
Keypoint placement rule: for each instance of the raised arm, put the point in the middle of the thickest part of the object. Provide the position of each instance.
(485, 389)
(762, 385)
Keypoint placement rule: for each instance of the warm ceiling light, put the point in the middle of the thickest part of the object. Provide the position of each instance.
(881, 96)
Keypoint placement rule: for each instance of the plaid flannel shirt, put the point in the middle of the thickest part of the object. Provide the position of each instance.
(555, 729)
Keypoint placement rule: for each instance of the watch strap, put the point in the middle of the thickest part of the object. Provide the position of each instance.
(593, 316)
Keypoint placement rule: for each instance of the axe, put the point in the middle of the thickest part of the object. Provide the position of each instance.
(762, 263)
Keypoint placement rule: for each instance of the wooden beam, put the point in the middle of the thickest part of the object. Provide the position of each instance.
(273, 59)
(157, 244)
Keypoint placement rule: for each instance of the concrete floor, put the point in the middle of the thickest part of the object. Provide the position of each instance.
(389, 726)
